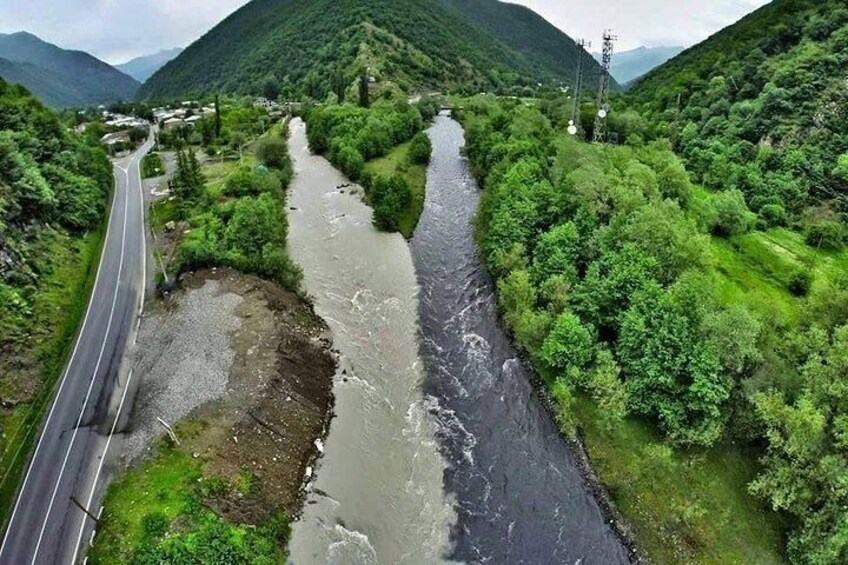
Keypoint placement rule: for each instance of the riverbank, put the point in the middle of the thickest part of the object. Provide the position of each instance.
(242, 371)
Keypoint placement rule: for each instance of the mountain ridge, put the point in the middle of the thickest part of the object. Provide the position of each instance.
(64, 77)
(142, 67)
(304, 45)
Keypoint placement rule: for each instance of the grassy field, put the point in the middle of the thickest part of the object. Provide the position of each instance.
(59, 306)
(160, 512)
(693, 506)
(397, 162)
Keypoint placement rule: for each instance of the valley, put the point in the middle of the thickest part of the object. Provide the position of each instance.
(386, 289)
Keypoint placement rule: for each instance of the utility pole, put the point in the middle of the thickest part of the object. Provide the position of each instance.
(600, 133)
(574, 125)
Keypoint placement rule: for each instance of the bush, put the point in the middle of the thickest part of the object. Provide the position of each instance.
(800, 281)
(390, 196)
(420, 149)
(729, 214)
(569, 346)
(248, 180)
(826, 234)
(272, 152)
(772, 216)
(349, 160)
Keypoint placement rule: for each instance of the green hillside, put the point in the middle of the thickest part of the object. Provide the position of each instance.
(59, 77)
(762, 107)
(312, 46)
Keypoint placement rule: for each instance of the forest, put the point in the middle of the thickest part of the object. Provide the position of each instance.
(53, 190)
(761, 108)
(350, 136)
(306, 48)
(616, 275)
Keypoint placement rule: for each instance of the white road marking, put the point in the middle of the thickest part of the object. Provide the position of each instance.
(64, 376)
(126, 386)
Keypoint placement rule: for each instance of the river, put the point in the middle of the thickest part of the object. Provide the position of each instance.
(458, 462)
(520, 496)
(378, 494)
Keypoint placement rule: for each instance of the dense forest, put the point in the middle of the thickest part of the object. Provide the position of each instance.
(300, 47)
(761, 107)
(61, 78)
(53, 190)
(613, 273)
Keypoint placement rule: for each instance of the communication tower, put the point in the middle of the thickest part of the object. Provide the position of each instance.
(603, 88)
(574, 124)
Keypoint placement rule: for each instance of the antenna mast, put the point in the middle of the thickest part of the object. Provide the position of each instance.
(574, 124)
(603, 88)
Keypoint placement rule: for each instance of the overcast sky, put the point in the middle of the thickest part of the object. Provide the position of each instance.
(117, 30)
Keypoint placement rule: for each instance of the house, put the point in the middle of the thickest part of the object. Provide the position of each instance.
(190, 121)
(111, 139)
(174, 123)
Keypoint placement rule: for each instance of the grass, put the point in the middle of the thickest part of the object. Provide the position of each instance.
(686, 506)
(59, 305)
(152, 166)
(397, 162)
(162, 512)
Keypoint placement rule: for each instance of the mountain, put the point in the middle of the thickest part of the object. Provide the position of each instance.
(142, 68)
(762, 107)
(309, 46)
(61, 77)
(629, 65)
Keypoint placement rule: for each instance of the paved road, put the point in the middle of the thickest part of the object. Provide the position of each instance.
(46, 527)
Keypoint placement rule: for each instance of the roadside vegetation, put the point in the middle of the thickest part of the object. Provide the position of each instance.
(53, 191)
(224, 212)
(692, 350)
(162, 512)
(383, 148)
(152, 166)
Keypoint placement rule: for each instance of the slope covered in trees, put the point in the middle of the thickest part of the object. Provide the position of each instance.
(59, 77)
(313, 46)
(53, 187)
(762, 107)
(687, 345)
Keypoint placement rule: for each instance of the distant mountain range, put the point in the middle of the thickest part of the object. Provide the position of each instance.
(142, 68)
(59, 77)
(627, 66)
(313, 47)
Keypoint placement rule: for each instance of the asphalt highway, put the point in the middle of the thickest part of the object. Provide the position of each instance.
(46, 525)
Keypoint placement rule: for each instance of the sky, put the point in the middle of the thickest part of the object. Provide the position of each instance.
(117, 30)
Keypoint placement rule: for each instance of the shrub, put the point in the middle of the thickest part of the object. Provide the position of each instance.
(772, 215)
(826, 234)
(729, 214)
(569, 346)
(349, 160)
(420, 149)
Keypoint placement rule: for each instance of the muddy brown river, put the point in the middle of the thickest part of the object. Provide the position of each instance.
(440, 451)
(378, 494)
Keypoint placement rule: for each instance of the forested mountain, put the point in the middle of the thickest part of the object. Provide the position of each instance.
(314, 46)
(762, 107)
(142, 68)
(60, 77)
(630, 65)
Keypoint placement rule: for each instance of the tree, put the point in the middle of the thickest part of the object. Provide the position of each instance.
(556, 253)
(729, 214)
(390, 197)
(420, 149)
(364, 95)
(217, 117)
(569, 347)
(672, 372)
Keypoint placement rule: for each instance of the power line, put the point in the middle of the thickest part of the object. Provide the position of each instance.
(600, 132)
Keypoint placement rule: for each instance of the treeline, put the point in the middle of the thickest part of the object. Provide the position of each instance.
(349, 136)
(761, 108)
(240, 223)
(603, 265)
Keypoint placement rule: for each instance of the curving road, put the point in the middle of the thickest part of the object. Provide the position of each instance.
(46, 526)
